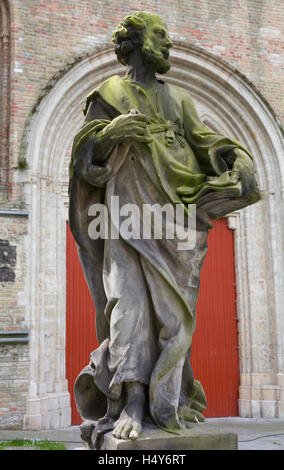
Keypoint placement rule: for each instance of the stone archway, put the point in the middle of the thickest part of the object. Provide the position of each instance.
(229, 104)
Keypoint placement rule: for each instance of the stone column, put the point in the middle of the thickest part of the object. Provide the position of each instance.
(48, 402)
(259, 325)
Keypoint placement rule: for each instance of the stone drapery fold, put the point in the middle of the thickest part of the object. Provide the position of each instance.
(148, 287)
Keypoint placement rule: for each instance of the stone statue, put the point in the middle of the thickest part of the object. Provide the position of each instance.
(142, 141)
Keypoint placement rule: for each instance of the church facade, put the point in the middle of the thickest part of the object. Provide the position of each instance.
(229, 57)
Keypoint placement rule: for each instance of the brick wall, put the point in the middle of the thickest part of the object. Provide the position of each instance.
(14, 377)
(14, 350)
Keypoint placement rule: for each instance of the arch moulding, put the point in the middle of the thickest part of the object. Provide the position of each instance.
(230, 105)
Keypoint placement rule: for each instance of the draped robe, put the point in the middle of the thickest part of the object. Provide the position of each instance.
(145, 290)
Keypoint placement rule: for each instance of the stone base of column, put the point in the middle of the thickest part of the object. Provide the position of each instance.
(261, 401)
(50, 411)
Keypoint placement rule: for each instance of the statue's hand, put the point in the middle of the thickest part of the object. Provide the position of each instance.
(126, 128)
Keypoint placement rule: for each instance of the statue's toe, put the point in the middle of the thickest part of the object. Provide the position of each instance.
(127, 430)
(117, 431)
(136, 431)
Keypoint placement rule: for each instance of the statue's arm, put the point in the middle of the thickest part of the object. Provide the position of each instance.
(216, 153)
(243, 170)
(103, 129)
(204, 140)
(97, 146)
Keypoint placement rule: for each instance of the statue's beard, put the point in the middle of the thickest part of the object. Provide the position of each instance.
(155, 58)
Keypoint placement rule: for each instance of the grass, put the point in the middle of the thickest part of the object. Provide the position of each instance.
(40, 444)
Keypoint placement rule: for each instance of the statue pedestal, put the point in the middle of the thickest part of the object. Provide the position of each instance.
(202, 436)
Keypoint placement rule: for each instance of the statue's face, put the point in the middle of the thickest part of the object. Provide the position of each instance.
(156, 45)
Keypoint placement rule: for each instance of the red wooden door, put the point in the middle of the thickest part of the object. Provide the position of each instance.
(215, 342)
(81, 336)
(214, 355)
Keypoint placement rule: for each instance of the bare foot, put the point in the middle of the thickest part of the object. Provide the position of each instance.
(129, 424)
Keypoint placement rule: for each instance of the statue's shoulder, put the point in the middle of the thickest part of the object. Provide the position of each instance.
(111, 91)
(109, 85)
(179, 93)
(180, 96)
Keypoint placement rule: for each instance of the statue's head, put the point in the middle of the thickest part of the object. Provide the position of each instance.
(149, 33)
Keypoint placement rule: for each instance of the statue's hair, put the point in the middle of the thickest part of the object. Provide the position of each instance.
(129, 34)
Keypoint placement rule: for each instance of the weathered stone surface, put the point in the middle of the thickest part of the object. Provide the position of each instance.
(198, 437)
